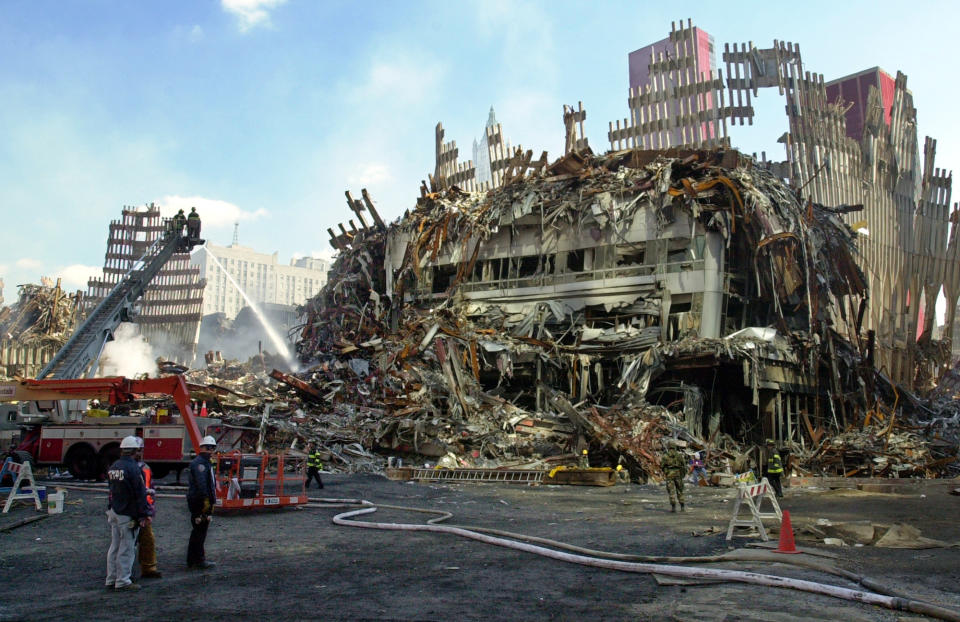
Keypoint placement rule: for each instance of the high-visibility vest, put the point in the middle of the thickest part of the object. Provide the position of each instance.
(773, 463)
(313, 460)
(148, 483)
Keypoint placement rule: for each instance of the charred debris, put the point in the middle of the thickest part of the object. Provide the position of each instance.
(599, 303)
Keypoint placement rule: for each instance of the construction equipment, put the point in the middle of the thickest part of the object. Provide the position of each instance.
(245, 481)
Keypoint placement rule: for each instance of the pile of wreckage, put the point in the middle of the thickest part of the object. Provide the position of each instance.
(37, 325)
(602, 303)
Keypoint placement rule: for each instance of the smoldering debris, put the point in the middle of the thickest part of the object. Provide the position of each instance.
(601, 303)
(39, 323)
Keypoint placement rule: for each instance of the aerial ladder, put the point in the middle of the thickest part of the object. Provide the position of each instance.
(75, 359)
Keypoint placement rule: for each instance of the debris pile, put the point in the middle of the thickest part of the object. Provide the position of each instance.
(600, 302)
(36, 325)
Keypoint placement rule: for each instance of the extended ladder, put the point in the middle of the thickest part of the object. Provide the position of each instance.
(518, 476)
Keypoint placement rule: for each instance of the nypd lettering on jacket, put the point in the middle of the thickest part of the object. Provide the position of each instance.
(115, 474)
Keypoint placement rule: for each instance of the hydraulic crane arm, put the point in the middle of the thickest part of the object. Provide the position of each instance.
(115, 390)
(86, 344)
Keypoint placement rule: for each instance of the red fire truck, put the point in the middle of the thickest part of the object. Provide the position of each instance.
(58, 428)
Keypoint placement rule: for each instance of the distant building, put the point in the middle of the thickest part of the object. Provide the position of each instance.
(169, 316)
(481, 150)
(854, 89)
(259, 275)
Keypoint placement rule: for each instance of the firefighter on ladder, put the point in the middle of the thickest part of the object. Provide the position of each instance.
(314, 465)
(193, 224)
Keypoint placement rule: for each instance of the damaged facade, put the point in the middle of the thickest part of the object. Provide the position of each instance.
(598, 301)
(171, 307)
(670, 287)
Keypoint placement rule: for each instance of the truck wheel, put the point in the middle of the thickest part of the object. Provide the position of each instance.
(160, 471)
(81, 461)
(108, 455)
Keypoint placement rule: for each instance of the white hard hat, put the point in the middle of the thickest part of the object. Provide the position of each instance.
(139, 442)
(208, 441)
(129, 442)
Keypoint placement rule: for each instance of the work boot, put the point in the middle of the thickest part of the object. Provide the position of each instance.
(151, 574)
(204, 565)
(129, 587)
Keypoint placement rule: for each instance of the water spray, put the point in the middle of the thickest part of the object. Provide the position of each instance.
(278, 343)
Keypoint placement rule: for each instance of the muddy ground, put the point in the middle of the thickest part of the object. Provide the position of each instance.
(296, 564)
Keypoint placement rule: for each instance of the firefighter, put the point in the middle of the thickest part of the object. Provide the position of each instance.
(313, 466)
(179, 221)
(148, 546)
(774, 467)
(674, 467)
(126, 515)
(584, 460)
(201, 497)
(193, 224)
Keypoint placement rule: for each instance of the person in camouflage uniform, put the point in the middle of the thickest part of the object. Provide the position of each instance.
(674, 467)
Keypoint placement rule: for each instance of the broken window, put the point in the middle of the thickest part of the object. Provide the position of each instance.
(575, 261)
(443, 276)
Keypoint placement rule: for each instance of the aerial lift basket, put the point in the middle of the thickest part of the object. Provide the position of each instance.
(260, 480)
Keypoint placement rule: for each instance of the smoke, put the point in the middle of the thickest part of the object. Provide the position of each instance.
(128, 354)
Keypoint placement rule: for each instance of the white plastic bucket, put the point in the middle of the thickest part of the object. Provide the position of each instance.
(55, 502)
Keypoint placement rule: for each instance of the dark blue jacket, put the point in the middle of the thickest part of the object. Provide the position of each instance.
(128, 495)
(201, 480)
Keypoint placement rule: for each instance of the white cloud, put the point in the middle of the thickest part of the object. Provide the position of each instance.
(75, 276)
(369, 174)
(190, 34)
(250, 13)
(213, 212)
(26, 263)
(403, 78)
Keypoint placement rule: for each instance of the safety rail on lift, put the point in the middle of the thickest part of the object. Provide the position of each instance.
(248, 481)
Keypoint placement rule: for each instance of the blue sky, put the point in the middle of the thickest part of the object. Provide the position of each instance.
(263, 112)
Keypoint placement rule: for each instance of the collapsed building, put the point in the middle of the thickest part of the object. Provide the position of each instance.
(671, 287)
(600, 301)
(37, 325)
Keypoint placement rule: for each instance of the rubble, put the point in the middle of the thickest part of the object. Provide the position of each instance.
(37, 325)
(599, 301)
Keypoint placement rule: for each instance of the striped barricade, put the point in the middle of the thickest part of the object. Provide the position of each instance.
(23, 477)
(752, 496)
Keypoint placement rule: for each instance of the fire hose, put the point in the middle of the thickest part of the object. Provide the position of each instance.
(893, 602)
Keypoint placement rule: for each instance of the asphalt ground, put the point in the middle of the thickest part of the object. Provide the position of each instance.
(295, 564)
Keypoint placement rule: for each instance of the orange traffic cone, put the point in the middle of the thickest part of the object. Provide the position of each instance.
(203, 410)
(787, 544)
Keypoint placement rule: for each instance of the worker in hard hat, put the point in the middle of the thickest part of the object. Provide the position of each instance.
(126, 514)
(774, 467)
(193, 224)
(201, 497)
(148, 546)
(674, 467)
(179, 221)
(314, 464)
(584, 459)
